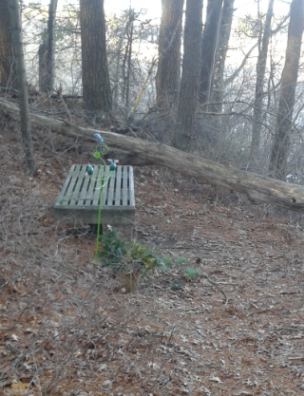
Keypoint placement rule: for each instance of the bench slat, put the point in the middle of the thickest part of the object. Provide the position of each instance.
(131, 187)
(124, 186)
(80, 179)
(96, 184)
(112, 182)
(67, 194)
(118, 187)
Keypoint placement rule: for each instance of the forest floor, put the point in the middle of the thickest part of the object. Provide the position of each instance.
(65, 329)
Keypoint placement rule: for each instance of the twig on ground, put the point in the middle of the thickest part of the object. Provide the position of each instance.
(216, 285)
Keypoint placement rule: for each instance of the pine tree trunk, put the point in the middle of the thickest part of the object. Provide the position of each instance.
(187, 104)
(97, 93)
(6, 58)
(217, 91)
(259, 89)
(22, 85)
(209, 44)
(168, 72)
(280, 147)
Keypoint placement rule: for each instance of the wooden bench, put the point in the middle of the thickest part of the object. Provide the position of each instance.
(78, 201)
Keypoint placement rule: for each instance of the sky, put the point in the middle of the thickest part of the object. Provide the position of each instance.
(154, 6)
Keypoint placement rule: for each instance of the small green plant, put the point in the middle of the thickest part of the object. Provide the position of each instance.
(180, 260)
(167, 261)
(114, 248)
(128, 256)
(190, 273)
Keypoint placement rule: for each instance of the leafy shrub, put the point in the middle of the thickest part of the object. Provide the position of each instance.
(126, 256)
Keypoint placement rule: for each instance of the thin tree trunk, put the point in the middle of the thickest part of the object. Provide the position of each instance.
(124, 77)
(123, 67)
(6, 55)
(97, 93)
(209, 45)
(187, 104)
(42, 52)
(280, 148)
(125, 58)
(259, 89)
(50, 52)
(46, 53)
(168, 72)
(217, 91)
(116, 85)
(22, 85)
(142, 90)
(130, 41)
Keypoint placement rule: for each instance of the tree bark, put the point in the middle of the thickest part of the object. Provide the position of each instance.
(168, 72)
(46, 53)
(22, 85)
(185, 123)
(209, 44)
(42, 72)
(6, 55)
(259, 189)
(130, 42)
(217, 90)
(129, 26)
(280, 147)
(97, 93)
(259, 89)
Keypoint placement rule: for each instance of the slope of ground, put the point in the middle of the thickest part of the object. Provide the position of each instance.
(66, 329)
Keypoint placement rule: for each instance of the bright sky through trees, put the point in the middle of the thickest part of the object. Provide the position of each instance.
(154, 7)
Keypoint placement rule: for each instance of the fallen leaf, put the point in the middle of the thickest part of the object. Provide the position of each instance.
(215, 379)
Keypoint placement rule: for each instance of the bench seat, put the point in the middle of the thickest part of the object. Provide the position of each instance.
(78, 201)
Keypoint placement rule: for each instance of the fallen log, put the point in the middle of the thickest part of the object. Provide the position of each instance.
(259, 189)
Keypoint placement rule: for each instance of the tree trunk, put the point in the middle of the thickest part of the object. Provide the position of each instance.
(168, 72)
(280, 148)
(259, 189)
(97, 93)
(259, 89)
(125, 58)
(42, 52)
(22, 85)
(124, 77)
(6, 58)
(187, 104)
(209, 44)
(119, 47)
(130, 42)
(217, 91)
(46, 53)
